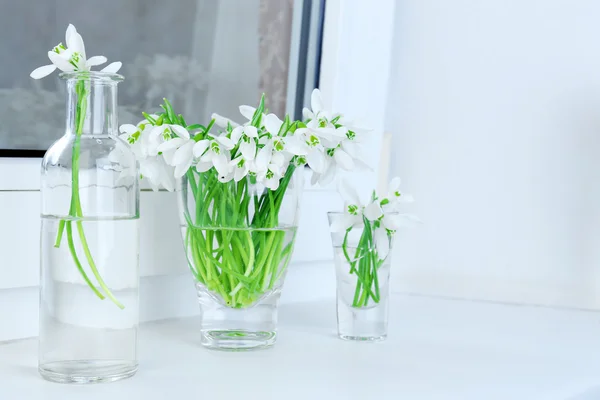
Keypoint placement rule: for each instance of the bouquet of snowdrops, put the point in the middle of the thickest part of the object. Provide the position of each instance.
(376, 221)
(236, 243)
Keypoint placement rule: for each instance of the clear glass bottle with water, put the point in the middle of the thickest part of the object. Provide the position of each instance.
(89, 281)
(362, 280)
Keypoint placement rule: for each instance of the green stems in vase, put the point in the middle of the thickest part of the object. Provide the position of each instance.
(365, 265)
(233, 253)
(75, 209)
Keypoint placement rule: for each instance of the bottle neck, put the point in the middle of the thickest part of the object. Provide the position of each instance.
(91, 107)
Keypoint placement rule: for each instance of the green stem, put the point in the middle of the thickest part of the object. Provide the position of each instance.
(75, 209)
(77, 262)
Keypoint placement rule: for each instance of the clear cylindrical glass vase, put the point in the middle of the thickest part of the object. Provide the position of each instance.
(89, 284)
(362, 280)
(239, 238)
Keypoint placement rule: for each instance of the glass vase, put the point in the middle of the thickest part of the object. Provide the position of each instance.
(362, 280)
(239, 238)
(89, 284)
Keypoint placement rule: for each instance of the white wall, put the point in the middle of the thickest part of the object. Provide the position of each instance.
(495, 110)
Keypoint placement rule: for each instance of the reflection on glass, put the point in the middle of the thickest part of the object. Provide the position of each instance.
(204, 55)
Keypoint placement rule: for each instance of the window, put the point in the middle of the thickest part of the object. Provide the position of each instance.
(203, 55)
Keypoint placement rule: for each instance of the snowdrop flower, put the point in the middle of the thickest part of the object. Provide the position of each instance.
(326, 177)
(395, 197)
(389, 222)
(395, 194)
(353, 210)
(383, 221)
(273, 126)
(263, 159)
(373, 211)
(178, 152)
(270, 177)
(72, 57)
(246, 135)
(309, 146)
(214, 152)
(133, 135)
(248, 112)
(317, 113)
(241, 168)
(161, 134)
(158, 173)
(223, 122)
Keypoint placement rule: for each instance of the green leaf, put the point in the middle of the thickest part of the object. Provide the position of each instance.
(256, 118)
(210, 125)
(195, 127)
(181, 120)
(149, 118)
(169, 109)
(285, 126)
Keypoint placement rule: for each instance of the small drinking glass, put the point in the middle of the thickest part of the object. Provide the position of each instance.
(362, 276)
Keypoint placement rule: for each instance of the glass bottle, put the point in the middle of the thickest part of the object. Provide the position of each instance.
(89, 275)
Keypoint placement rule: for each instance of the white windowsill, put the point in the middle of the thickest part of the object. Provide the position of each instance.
(437, 349)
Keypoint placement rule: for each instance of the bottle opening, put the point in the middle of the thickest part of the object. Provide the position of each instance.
(94, 76)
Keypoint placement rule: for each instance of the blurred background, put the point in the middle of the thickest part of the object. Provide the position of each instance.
(204, 56)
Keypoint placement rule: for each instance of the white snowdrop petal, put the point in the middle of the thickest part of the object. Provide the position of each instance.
(247, 111)
(77, 45)
(251, 131)
(182, 168)
(42, 71)
(96, 60)
(112, 68)
(343, 159)
(184, 154)
(316, 161)
(372, 211)
(329, 175)
(239, 174)
(170, 144)
(315, 101)
(307, 114)
(128, 128)
(221, 164)
(180, 131)
(60, 62)
(203, 166)
(391, 221)
(248, 149)
(200, 147)
(394, 185)
(273, 123)
(236, 134)
(71, 30)
(227, 143)
(296, 146)
(222, 121)
(264, 157)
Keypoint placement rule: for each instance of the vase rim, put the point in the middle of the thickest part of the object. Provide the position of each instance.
(96, 76)
(337, 213)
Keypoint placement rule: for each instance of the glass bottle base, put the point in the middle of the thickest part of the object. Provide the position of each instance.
(87, 371)
(363, 338)
(237, 339)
